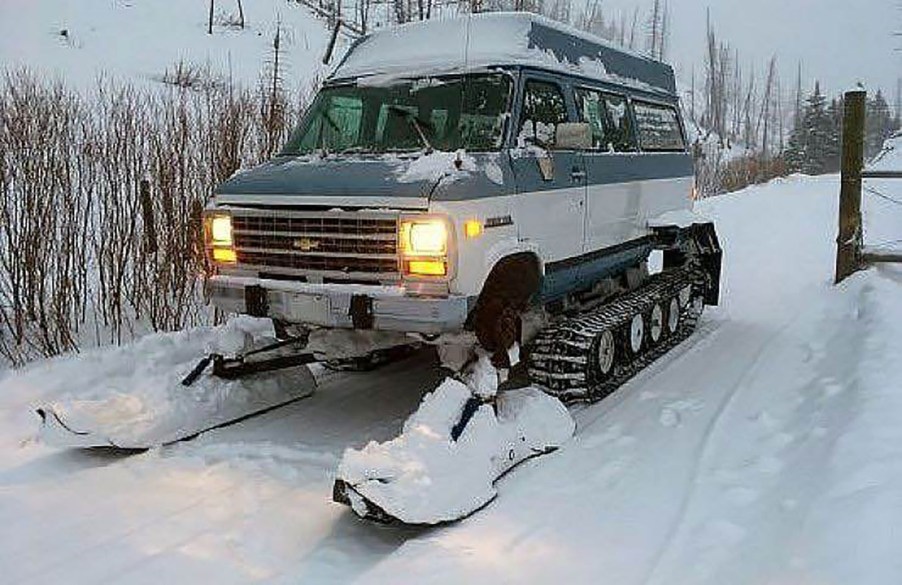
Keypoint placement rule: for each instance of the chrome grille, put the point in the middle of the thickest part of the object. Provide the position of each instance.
(331, 244)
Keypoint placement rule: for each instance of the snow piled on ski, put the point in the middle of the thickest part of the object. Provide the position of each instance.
(425, 476)
(132, 396)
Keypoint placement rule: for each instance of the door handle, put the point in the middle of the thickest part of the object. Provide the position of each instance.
(577, 175)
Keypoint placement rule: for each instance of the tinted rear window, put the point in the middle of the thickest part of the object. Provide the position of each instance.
(658, 127)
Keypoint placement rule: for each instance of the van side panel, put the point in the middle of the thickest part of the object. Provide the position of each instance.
(626, 190)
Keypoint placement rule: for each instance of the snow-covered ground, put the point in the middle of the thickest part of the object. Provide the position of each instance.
(766, 449)
(138, 40)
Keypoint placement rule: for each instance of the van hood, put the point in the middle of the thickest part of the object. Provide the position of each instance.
(329, 180)
(392, 181)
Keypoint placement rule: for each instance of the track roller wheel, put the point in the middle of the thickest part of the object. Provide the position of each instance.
(673, 316)
(655, 324)
(603, 356)
(636, 334)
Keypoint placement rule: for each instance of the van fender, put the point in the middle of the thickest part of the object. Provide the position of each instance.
(504, 248)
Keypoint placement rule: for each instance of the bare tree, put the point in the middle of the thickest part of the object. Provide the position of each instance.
(210, 20)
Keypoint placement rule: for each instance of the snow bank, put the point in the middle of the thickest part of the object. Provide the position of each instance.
(425, 477)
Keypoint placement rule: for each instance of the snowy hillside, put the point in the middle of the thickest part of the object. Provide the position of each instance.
(890, 158)
(140, 39)
(766, 449)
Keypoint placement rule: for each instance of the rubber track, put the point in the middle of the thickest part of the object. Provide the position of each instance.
(560, 357)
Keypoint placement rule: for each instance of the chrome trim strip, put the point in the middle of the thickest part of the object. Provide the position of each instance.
(284, 252)
(368, 203)
(332, 274)
(375, 237)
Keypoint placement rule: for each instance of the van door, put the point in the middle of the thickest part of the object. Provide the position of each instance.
(551, 183)
(614, 192)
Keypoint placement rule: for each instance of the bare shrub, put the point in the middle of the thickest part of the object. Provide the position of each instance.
(741, 172)
(43, 216)
(191, 76)
(88, 256)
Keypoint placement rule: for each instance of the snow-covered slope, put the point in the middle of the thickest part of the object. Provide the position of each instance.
(767, 449)
(890, 157)
(139, 39)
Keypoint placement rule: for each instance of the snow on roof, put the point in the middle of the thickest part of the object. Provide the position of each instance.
(441, 46)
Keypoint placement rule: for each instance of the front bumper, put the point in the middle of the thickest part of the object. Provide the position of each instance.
(349, 306)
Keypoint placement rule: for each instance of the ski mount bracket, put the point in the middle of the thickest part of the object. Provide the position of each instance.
(238, 366)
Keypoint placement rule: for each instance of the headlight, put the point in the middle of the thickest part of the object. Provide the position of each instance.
(424, 237)
(219, 238)
(424, 245)
(221, 230)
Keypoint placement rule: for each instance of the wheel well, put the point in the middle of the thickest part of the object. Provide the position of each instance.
(510, 285)
(516, 278)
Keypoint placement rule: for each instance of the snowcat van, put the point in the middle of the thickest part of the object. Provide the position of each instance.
(466, 175)
(484, 184)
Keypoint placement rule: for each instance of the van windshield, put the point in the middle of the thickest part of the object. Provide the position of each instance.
(444, 113)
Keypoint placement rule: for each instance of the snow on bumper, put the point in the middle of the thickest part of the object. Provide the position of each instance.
(426, 477)
(387, 308)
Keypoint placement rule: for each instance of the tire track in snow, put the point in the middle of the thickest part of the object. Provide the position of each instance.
(702, 451)
(707, 333)
(103, 541)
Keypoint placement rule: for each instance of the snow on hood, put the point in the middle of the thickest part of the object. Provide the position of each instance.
(436, 166)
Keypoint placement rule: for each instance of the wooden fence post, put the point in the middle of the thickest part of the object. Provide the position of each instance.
(848, 241)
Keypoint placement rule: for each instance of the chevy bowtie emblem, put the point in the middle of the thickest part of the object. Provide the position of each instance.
(305, 244)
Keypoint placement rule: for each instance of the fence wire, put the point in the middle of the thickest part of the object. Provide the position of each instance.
(881, 195)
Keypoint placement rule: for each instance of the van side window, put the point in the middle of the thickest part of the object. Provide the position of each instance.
(591, 110)
(659, 127)
(543, 109)
(622, 138)
(609, 119)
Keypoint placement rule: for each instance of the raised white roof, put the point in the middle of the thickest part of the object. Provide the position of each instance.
(514, 38)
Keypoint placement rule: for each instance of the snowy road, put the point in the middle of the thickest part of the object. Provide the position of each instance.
(764, 450)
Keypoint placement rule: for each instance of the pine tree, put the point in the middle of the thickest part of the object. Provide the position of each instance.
(814, 145)
(879, 124)
(833, 144)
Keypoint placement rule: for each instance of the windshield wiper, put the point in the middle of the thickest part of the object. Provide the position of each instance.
(416, 123)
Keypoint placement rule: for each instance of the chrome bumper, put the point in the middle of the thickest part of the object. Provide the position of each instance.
(348, 306)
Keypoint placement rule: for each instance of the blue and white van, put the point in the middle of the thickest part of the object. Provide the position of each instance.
(452, 174)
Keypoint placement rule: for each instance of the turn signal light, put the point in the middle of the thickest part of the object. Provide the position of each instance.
(427, 267)
(224, 255)
(472, 228)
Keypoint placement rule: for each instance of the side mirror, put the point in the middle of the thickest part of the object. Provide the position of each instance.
(573, 136)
